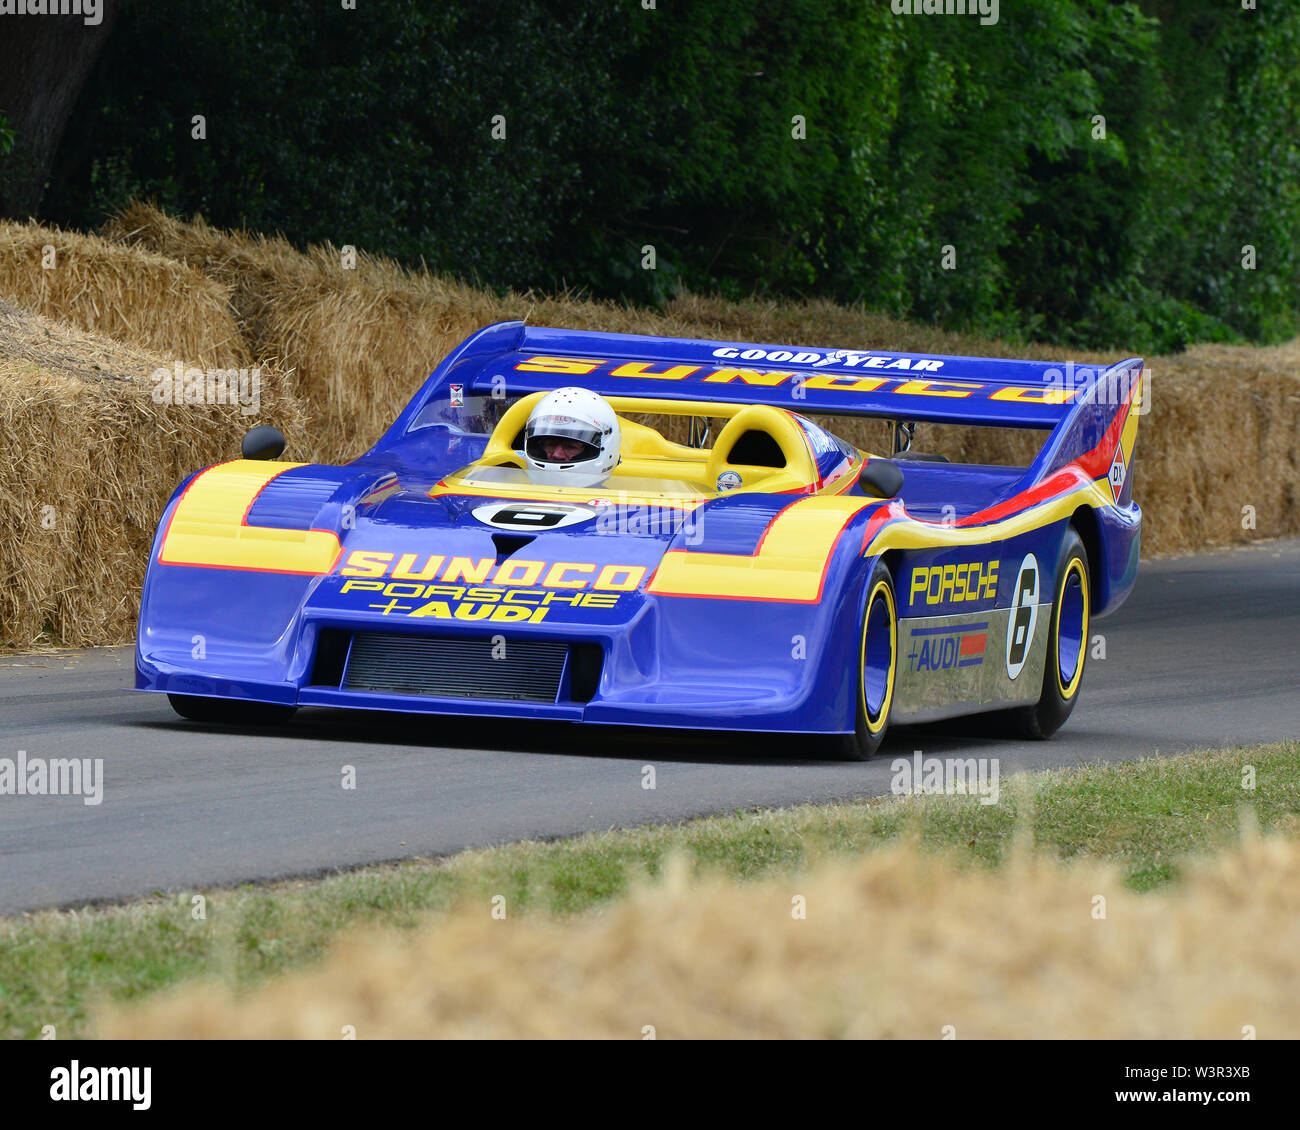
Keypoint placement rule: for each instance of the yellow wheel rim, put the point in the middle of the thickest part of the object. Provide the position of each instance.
(1072, 608)
(876, 668)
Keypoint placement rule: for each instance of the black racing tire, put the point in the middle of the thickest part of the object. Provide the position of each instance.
(230, 711)
(1066, 647)
(877, 668)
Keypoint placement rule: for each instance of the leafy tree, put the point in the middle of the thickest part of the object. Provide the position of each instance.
(808, 147)
(44, 63)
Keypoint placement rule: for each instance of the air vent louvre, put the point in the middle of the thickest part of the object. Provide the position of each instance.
(520, 670)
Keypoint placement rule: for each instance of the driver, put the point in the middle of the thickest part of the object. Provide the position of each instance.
(572, 439)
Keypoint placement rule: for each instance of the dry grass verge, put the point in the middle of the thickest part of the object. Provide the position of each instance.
(1152, 819)
(894, 945)
(87, 462)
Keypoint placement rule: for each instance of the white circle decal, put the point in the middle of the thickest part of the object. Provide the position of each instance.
(1023, 616)
(526, 516)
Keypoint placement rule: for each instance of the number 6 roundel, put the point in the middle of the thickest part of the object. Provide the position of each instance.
(1024, 615)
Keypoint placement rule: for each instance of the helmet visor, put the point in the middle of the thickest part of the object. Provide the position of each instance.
(561, 439)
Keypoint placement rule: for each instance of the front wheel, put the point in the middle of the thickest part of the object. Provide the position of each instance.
(230, 711)
(877, 664)
(1067, 646)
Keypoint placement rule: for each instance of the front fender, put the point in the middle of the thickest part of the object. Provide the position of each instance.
(239, 549)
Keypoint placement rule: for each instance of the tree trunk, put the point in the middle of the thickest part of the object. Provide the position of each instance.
(44, 62)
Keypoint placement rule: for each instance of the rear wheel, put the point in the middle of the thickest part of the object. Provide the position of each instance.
(877, 663)
(1067, 646)
(231, 711)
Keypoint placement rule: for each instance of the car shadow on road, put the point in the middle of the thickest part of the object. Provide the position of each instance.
(633, 743)
(496, 735)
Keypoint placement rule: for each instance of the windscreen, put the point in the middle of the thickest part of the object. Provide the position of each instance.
(467, 413)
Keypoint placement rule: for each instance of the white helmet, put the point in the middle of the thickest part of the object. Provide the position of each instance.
(582, 419)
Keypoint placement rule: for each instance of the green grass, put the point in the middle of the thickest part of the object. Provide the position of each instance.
(1147, 817)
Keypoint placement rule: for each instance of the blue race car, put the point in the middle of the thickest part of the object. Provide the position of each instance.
(769, 577)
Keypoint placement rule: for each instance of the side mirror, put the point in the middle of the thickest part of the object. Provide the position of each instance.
(263, 442)
(880, 478)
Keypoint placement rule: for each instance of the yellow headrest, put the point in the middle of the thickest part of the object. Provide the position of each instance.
(499, 449)
(799, 469)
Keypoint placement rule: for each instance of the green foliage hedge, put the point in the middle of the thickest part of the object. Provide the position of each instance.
(672, 127)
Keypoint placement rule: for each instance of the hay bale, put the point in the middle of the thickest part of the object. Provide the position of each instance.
(249, 267)
(126, 293)
(1218, 456)
(88, 458)
(362, 340)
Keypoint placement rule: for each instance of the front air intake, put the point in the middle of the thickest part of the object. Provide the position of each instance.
(440, 667)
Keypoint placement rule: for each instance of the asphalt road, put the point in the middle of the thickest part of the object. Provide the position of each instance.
(1205, 653)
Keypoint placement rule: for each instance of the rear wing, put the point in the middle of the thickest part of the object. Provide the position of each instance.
(1075, 402)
